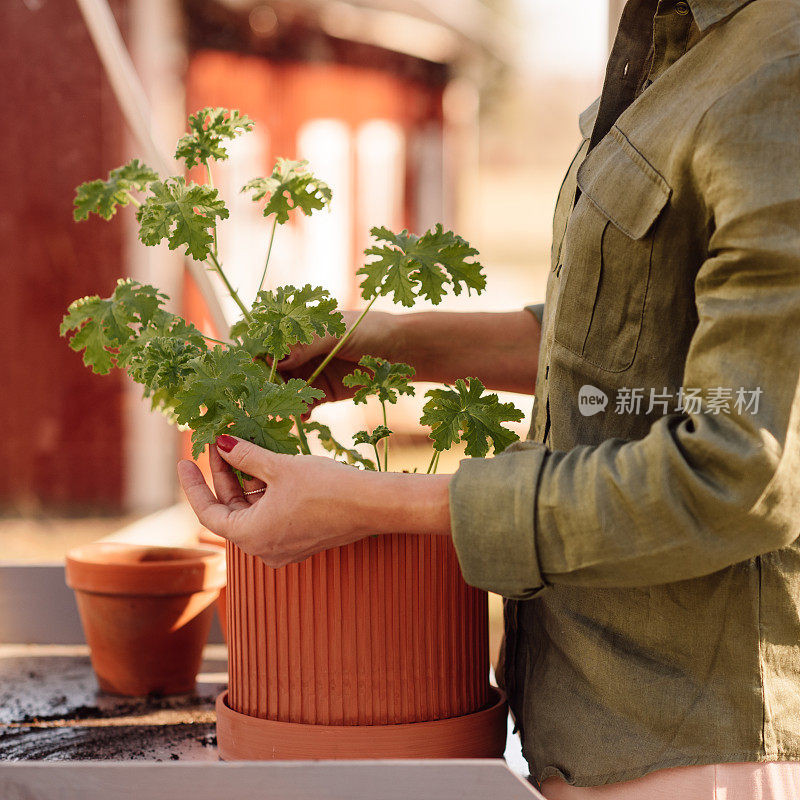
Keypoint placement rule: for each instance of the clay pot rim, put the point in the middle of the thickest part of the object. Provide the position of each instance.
(236, 739)
(121, 568)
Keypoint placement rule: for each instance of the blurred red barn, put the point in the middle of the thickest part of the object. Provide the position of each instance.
(359, 88)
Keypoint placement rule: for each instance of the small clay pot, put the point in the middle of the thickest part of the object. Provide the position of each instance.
(146, 612)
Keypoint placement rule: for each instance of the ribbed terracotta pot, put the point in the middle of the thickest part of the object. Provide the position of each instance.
(206, 537)
(374, 650)
(146, 612)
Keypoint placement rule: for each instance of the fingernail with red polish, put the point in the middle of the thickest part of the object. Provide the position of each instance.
(226, 443)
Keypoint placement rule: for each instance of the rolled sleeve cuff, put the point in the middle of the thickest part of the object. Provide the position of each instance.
(537, 311)
(492, 513)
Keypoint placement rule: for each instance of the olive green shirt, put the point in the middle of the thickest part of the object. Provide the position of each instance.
(647, 542)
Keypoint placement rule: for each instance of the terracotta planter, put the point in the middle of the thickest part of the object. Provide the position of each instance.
(374, 650)
(146, 612)
(206, 537)
(222, 611)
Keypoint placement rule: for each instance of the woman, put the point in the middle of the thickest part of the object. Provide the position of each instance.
(645, 535)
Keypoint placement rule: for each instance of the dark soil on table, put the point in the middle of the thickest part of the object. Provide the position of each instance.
(50, 709)
(118, 742)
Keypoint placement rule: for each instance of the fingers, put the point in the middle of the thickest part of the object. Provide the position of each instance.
(212, 514)
(226, 484)
(322, 382)
(253, 485)
(301, 353)
(249, 458)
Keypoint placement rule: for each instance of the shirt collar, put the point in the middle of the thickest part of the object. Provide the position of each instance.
(709, 12)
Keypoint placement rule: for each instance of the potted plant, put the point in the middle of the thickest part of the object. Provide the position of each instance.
(376, 649)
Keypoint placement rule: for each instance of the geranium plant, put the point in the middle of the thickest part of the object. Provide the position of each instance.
(215, 386)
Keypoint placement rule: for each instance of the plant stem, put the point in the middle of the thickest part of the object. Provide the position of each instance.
(214, 229)
(377, 457)
(385, 441)
(301, 428)
(432, 464)
(269, 253)
(272, 370)
(338, 347)
(212, 339)
(301, 434)
(215, 265)
(301, 431)
(262, 363)
(133, 200)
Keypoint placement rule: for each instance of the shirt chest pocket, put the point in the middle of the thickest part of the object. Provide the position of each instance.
(607, 254)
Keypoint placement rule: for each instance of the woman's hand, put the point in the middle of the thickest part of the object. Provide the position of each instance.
(309, 503)
(502, 349)
(372, 337)
(293, 517)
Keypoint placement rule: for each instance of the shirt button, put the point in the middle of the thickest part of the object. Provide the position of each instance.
(682, 8)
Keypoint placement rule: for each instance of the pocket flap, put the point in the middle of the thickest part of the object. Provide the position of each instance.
(623, 185)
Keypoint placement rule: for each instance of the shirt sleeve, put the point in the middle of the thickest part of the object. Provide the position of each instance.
(701, 491)
(537, 310)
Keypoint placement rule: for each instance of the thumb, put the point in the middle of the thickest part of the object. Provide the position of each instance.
(248, 457)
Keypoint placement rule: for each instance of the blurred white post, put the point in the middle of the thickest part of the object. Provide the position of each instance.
(131, 94)
(459, 179)
(151, 444)
(614, 13)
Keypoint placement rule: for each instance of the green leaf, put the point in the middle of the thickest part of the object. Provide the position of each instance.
(97, 332)
(208, 129)
(407, 266)
(265, 415)
(161, 324)
(162, 401)
(290, 399)
(464, 411)
(261, 413)
(210, 393)
(163, 363)
(181, 214)
(363, 437)
(207, 428)
(167, 324)
(386, 381)
(218, 381)
(291, 185)
(273, 433)
(289, 316)
(102, 197)
(239, 334)
(350, 455)
(102, 326)
(141, 301)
